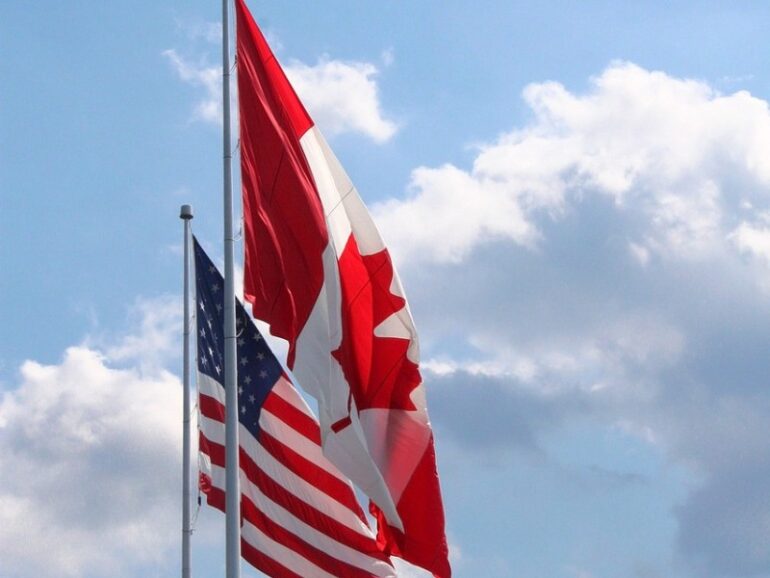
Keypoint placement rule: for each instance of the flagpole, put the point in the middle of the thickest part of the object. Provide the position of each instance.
(186, 214)
(232, 485)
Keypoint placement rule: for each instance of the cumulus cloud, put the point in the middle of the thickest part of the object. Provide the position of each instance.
(209, 32)
(753, 239)
(200, 75)
(90, 461)
(607, 263)
(670, 354)
(159, 325)
(342, 97)
(670, 150)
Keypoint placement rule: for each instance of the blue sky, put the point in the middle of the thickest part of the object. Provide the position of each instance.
(578, 199)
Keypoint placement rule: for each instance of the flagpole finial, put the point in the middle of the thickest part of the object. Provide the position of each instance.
(186, 212)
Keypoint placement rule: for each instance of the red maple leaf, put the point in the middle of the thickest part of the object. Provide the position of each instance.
(377, 368)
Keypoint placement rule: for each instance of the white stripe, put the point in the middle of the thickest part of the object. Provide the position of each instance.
(308, 449)
(280, 553)
(296, 526)
(213, 429)
(284, 477)
(287, 392)
(211, 387)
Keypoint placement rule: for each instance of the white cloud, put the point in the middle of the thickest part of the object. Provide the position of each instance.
(342, 97)
(90, 462)
(753, 240)
(609, 356)
(160, 325)
(208, 78)
(210, 32)
(388, 56)
(665, 149)
(449, 212)
(640, 253)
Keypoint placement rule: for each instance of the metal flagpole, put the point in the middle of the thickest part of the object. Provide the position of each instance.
(186, 214)
(232, 485)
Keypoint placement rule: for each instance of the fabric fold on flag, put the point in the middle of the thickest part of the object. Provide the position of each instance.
(317, 270)
(300, 516)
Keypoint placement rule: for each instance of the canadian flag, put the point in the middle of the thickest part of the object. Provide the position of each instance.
(317, 270)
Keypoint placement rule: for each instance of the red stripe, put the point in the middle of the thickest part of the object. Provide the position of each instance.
(215, 451)
(216, 498)
(264, 563)
(293, 417)
(315, 475)
(211, 407)
(281, 535)
(308, 513)
(276, 532)
(261, 561)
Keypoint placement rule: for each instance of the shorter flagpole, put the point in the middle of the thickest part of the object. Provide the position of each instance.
(186, 214)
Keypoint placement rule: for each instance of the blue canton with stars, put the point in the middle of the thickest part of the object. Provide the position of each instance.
(258, 368)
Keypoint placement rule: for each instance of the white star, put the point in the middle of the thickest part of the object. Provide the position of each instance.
(252, 399)
(247, 379)
(243, 409)
(202, 306)
(204, 362)
(260, 356)
(241, 341)
(215, 287)
(219, 370)
(211, 351)
(263, 373)
(257, 337)
(244, 361)
(219, 308)
(212, 269)
(240, 390)
(203, 332)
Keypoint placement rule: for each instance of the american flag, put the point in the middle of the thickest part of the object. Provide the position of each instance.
(300, 516)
